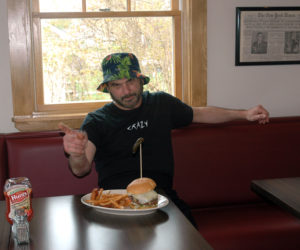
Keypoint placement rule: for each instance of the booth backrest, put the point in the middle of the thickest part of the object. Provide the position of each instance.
(40, 157)
(219, 161)
(214, 164)
(3, 168)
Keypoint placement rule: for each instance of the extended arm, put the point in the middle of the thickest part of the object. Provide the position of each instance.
(80, 149)
(219, 115)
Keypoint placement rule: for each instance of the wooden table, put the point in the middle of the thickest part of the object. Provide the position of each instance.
(63, 222)
(284, 192)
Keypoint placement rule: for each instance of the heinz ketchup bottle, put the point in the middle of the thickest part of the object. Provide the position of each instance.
(17, 192)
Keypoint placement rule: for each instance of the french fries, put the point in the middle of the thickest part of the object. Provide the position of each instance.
(98, 198)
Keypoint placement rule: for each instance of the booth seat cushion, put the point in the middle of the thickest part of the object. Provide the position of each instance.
(215, 164)
(40, 157)
(3, 167)
(252, 226)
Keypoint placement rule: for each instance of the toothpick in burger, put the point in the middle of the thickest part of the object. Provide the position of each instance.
(142, 194)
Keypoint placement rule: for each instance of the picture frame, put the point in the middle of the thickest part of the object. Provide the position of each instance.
(267, 35)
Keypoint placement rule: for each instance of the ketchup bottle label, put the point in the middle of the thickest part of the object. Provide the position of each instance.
(18, 196)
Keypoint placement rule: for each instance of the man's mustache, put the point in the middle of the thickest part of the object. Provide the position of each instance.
(127, 96)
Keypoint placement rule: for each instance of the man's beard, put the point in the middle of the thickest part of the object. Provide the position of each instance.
(132, 104)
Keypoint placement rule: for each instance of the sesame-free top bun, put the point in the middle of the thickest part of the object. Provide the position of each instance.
(141, 185)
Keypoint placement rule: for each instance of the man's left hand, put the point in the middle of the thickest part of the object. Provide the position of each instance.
(258, 113)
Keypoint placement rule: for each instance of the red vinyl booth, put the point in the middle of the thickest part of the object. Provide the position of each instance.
(214, 167)
(40, 157)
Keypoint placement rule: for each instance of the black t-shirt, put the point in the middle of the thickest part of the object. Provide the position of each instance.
(114, 131)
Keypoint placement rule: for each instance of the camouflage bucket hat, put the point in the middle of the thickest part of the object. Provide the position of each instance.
(119, 66)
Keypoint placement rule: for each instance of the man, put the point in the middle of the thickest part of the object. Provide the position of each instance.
(108, 134)
(294, 43)
(260, 45)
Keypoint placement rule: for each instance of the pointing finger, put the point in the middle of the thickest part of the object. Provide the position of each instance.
(65, 128)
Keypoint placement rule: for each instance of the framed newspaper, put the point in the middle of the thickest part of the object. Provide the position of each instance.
(267, 35)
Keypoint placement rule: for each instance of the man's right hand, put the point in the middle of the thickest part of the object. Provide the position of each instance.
(80, 149)
(74, 141)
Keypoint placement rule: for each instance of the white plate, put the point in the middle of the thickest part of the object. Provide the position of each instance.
(162, 202)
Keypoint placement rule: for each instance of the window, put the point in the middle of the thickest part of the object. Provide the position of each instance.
(72, 37)
(57, 46)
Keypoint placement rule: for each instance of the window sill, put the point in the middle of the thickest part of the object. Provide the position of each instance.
(44, 122)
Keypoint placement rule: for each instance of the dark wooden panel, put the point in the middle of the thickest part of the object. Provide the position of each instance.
(63, 222)
(4, 227)
(284, 192)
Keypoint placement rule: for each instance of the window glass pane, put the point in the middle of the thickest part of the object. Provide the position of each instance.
(73, 49)
(106, 5)
(60, 5)
(150, 5)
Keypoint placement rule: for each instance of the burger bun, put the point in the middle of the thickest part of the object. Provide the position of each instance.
(141, 185)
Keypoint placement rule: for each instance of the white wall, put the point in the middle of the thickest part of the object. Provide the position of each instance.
(6, 107)
(276, 87)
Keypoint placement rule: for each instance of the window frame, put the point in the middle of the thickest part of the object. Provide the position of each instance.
(29, 115)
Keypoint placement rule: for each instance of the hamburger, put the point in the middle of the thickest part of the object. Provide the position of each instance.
(142, 194)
